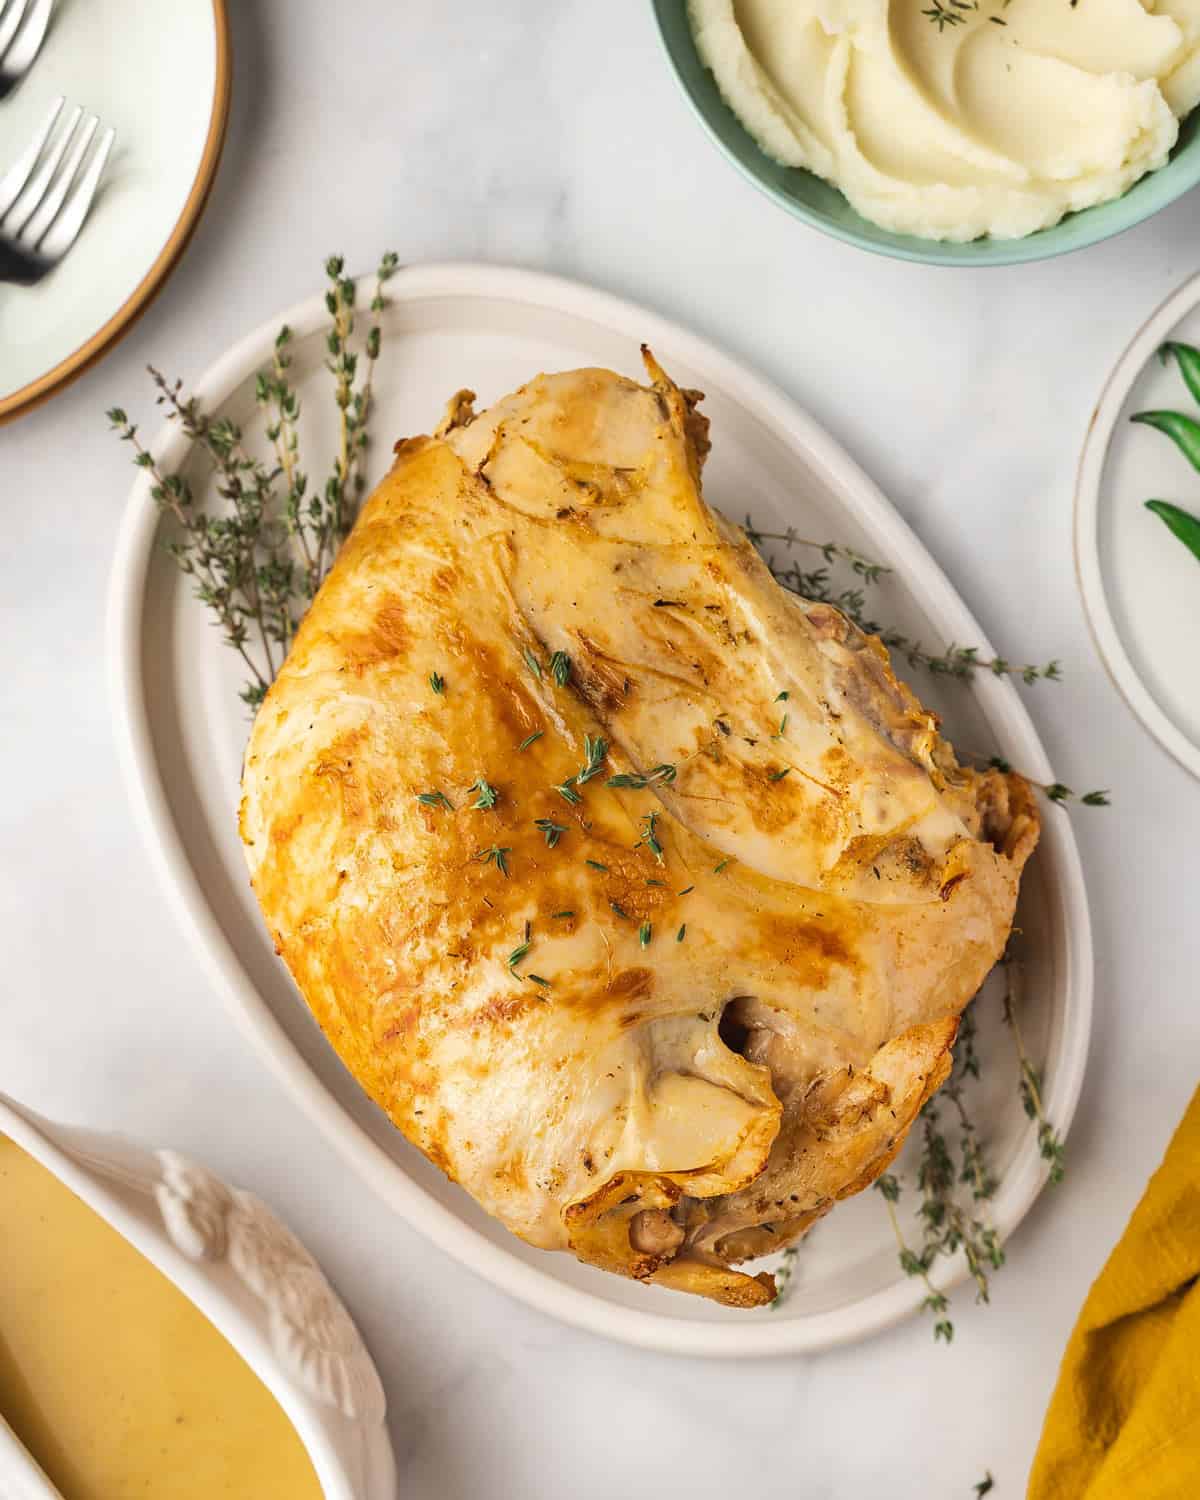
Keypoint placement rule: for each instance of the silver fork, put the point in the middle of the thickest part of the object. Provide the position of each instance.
(23, 26)
(45, 196)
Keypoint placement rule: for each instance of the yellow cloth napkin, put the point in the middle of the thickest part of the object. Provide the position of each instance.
(1124, 1420)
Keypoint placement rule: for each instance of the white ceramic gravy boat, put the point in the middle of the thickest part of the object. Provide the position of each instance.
(249, 1275)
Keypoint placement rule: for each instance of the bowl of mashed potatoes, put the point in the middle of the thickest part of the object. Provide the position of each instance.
(960, 132)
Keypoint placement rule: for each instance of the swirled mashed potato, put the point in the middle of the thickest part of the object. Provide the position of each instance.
(997, 125)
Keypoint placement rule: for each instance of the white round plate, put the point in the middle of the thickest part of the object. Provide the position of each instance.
(159, 75)
(1140, 585)
(182, 732)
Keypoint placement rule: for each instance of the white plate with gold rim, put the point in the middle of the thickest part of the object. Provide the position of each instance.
(160, 77)
(182, 732)
(1140, 585)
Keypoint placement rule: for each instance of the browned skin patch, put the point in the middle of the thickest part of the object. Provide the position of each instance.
(387, 637)
(631, 984)
(603, 683)
(812, 950)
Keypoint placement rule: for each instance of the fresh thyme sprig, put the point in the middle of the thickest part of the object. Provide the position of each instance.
(258, 560)
(1050, 1142)
(348, 480)
(954, 661)
(832, 552)
(1054, 791)
(913, 1264)
(948, 1225)
(595, 750)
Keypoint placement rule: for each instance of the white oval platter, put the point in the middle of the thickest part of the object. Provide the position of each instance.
(182, 730)
(1140, 585)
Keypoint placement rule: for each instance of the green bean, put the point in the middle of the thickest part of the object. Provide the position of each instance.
(1183, 431)
(1185, 525)
(1187, 357)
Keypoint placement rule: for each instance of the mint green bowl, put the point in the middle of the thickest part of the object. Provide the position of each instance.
(822, 206)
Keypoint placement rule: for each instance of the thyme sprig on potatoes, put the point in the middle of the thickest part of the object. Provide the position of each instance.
(258, 563)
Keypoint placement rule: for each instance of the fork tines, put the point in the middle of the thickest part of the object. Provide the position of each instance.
(23, 26)
(45, 196)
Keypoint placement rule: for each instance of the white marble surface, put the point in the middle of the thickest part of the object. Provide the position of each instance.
(549, 133)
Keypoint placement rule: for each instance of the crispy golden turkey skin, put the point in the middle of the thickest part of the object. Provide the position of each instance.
(691, 977)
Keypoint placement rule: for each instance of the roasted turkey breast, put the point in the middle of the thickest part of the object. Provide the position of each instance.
(638, 892)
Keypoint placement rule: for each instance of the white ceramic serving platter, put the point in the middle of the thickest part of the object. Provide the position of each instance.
(249, 1276)
(159, 75)
(1140, 585)
(182, 732)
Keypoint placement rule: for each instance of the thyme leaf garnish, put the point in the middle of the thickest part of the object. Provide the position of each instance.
(532, 662)
(529, 739)
(435, 799)
(596, 865)
(497, 855)
(488, 795)
(551, 830)
(638, 780)
(560, 668)
(645, 933)
(567, 792)
(437, 682)
(594, 751)
(650, 838)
